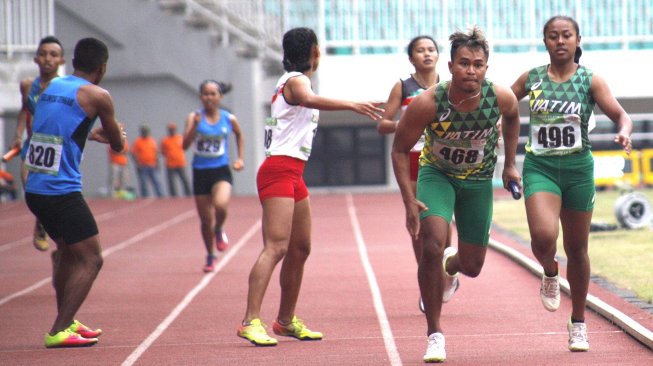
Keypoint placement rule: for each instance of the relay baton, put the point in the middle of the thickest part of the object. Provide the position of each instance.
(514, 189)
(10, 154)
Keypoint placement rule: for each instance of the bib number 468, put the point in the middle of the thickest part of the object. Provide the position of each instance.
(458, 156)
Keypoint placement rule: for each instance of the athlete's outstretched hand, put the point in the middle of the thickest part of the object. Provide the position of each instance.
(370, 109)
(625, 142)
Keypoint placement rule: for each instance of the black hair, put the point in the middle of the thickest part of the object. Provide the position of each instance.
(90, 55)
(223, 88)
(414, 41)
(51, 39)
(297, 47)
(474, 39)
(574, 23)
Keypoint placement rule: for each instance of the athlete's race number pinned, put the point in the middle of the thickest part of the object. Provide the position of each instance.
(210, 146)
(555, 137)
(268, 138)
(562, 136)
(270, 124)
(44, 154)
(459, 156)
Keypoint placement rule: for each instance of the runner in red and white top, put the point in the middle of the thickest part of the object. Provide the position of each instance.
(286, 209)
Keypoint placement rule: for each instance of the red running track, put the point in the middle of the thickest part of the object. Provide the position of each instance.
(156, 306)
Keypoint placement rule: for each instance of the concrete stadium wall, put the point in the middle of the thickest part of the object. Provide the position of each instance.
(156, 63)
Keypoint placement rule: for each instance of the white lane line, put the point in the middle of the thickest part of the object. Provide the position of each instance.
(386, 331)
(136, 354)
(151, 231)
(99, 218)
(15, 243)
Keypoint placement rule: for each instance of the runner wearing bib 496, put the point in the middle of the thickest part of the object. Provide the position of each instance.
(559, 119)
(559, 187)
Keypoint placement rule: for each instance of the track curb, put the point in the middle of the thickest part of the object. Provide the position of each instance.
(629, 325)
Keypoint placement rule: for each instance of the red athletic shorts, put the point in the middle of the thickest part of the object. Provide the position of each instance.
(281, 176)
(414, 164)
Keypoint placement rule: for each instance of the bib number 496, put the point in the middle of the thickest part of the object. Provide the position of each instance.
(554, 137)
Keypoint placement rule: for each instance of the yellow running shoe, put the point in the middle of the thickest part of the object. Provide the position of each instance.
(83, 330)
(255, 333)
(68, 338)
(297, 329)
(40, 240)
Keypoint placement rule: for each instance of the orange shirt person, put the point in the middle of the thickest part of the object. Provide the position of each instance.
(145, 153)
(118, 172)
(175, 158)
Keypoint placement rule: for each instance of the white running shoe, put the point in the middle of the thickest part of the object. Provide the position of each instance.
(578, 337)
(451, 282)
(435, 349)
(550, 292)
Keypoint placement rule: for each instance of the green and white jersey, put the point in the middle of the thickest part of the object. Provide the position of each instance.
(462, 144)
(559, 112)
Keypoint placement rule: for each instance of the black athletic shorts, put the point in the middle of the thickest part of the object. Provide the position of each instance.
(66, 217)
(204, 179)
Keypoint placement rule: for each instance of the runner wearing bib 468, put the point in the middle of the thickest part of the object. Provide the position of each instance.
(455, 174)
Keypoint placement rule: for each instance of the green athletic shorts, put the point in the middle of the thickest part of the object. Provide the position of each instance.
(569, 176)
(470, 200)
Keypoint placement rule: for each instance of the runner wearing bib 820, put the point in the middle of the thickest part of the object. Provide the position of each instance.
(64, 115)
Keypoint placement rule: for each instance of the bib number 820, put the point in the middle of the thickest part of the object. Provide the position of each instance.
(40, 156)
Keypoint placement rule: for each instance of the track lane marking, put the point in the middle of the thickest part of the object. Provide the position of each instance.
(384, 323)
(147, 342)
(99, 218)
(105, 253)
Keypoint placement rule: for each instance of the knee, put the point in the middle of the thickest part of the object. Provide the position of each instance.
(275, 252)
(301, 251)
(543, 243)
(220, 210)
(543, 237)
(576, 252)
(432, 252)
(471, 268)
(94, 262)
